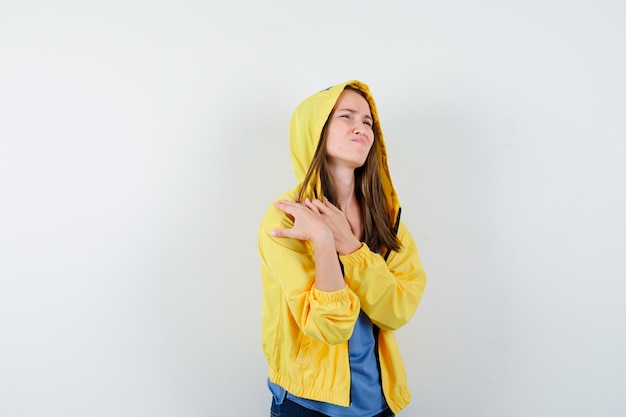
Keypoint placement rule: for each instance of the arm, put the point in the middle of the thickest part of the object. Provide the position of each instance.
(389, 292)
(299, 256)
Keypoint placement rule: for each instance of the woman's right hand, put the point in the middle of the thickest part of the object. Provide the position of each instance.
(308, 223)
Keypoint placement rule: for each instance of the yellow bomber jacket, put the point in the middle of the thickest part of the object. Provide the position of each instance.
(305, 331)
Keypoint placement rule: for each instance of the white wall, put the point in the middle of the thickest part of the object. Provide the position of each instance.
(140, 143)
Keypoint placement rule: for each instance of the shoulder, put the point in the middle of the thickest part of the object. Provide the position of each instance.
(275, 218)
(407, 242)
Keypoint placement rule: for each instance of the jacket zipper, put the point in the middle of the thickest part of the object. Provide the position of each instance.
(376, 328)
(395, 230)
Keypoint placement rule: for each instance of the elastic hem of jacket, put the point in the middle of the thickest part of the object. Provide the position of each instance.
(330, 296)
(360, 255)
(308, 392)
(400, 402)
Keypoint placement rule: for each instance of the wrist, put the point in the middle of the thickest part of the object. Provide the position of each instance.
(322, 237)
(350, 247)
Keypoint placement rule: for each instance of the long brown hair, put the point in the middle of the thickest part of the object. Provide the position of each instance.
(378, 227)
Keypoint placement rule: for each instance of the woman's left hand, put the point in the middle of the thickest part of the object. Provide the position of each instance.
(337, 222)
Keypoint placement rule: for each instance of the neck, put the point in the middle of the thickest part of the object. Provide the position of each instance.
(344, 185)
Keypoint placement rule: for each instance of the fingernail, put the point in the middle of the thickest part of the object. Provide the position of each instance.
(273, 233)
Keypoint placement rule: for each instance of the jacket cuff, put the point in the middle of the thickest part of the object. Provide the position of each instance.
(359, 256)
(330, 296)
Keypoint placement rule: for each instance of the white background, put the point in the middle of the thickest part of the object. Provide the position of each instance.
(142, 141)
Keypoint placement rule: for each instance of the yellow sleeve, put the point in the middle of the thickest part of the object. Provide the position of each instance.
(389, 291)
(288, 271)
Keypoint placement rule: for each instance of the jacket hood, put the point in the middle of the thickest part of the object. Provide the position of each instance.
(305, 131)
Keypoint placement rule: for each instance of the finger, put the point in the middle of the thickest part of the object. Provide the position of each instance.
(311, 205)
(288, 209)
(328, 211)
(280, 233)
(331, 205)
(287, 206)
(320, 206)
(286, 203)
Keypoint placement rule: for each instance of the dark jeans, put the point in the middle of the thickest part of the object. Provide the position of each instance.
(291, 409)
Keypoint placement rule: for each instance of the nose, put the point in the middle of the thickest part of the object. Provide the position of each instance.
(359, 127)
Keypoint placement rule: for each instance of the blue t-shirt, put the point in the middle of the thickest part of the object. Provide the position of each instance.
(366, 393)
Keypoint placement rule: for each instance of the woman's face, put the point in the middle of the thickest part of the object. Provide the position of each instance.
(350, 133)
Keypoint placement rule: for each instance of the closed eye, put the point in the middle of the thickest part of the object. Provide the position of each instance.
(349, 115)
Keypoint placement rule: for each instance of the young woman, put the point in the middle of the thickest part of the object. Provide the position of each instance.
(340, 270)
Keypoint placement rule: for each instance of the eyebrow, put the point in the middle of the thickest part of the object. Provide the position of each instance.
(367, 116)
